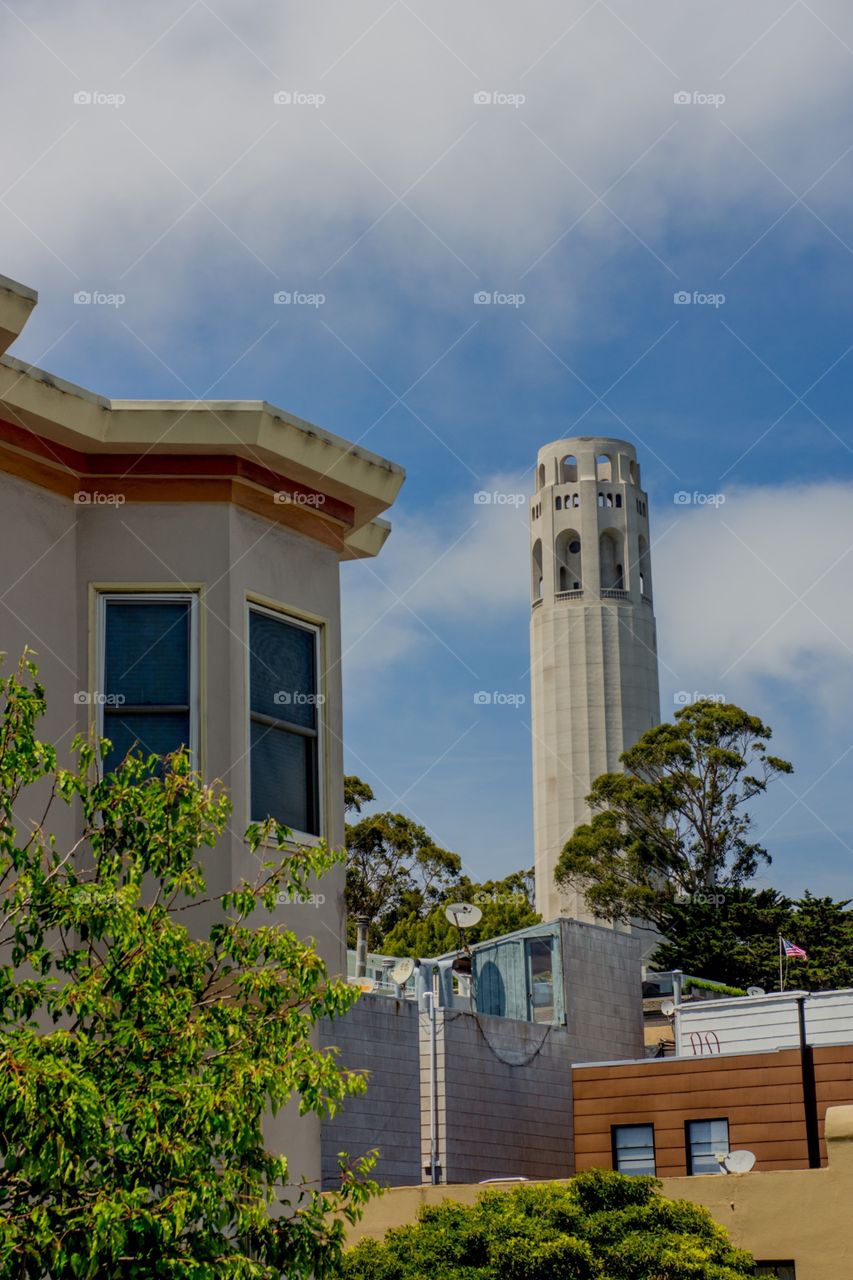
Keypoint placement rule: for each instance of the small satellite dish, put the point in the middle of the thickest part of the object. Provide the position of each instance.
(738, 1162)
(402, 971)
(667, 1008)
(463, 914)
(756, 991)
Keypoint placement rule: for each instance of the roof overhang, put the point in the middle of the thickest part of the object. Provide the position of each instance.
(135, 439)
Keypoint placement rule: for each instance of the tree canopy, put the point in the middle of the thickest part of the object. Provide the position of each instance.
(674, 824)
(140, 1052)
(600, 1226)
(401, 880)
(733, 937)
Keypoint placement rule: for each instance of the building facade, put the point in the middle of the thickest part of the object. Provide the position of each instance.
(593, 646)
(175, 568)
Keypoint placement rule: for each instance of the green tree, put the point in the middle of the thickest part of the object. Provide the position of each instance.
(733, 937)
(600, 1226)
(505, 905)
(139, 1052)
(673, 824)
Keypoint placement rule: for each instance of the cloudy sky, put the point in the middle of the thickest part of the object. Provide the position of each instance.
(582, 163)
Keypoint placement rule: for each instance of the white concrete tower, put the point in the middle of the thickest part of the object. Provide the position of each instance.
(593, 647)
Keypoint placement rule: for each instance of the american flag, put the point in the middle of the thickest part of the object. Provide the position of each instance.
(793, 952)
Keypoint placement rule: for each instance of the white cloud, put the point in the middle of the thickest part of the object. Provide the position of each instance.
(297, 187)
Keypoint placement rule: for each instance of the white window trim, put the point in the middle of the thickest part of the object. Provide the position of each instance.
(293, 620)
(192, 598)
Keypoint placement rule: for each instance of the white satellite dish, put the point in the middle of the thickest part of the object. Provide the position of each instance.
(402, 971)
(463, 914)
(667, 1008)
(738, 1162)
(756, 991)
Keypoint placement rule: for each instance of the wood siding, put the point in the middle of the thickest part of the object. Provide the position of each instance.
(760, 1094)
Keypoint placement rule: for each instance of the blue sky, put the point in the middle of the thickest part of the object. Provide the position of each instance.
(398, 198)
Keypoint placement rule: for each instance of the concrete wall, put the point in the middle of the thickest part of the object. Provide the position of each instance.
(379, 1035)
(504, 1098)
(801, 1216)
(602, 980)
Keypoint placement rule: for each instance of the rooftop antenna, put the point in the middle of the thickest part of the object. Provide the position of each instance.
(737, 1161)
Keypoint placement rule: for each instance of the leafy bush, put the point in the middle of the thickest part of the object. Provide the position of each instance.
(599, 1226)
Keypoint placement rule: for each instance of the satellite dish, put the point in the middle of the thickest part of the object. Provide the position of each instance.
(738, 1162)
(402, 971)
(463, 914)
(667, 1008)
(756, 991)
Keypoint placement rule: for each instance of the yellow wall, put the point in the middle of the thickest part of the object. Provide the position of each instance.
(804, 1215)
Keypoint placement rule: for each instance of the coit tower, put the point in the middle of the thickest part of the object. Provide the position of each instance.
(593, 647)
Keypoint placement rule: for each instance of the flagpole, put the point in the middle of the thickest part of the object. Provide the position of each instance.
(781, 979)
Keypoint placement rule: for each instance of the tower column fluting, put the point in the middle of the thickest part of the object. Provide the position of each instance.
(593, 646)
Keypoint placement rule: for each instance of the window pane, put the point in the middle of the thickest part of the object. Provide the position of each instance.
(541, 979)
(634, 1148)
(148, 652)
(283, 778)
(156, 731)
(705, 1138)
(283, 670)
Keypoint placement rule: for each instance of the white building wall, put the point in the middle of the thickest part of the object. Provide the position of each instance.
(754, 1024)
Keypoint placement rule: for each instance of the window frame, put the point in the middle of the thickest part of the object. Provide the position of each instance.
(614, 1151)
(317, 628)
(106, 595)
(688, 1152)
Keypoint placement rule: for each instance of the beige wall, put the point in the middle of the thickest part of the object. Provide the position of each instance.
(802, 1216)
(56, 551)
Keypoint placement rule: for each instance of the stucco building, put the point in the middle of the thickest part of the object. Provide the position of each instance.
(175, 567)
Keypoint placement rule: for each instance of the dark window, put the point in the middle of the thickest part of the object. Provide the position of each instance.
(284, 705)
(706, 1139)
(776, 1270)
(558, 503)
(540, 978)
(147, 698)
(619, 499)
(633, 1148)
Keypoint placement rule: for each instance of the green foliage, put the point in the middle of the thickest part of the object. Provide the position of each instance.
(505, 905)
(735, 939)
(600, 1226)
(140, 1049)
(401, 880)
(673, 824)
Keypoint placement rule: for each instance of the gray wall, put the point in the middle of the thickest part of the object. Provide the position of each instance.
(504, 1098)
(603, 985)
(380, 1034)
